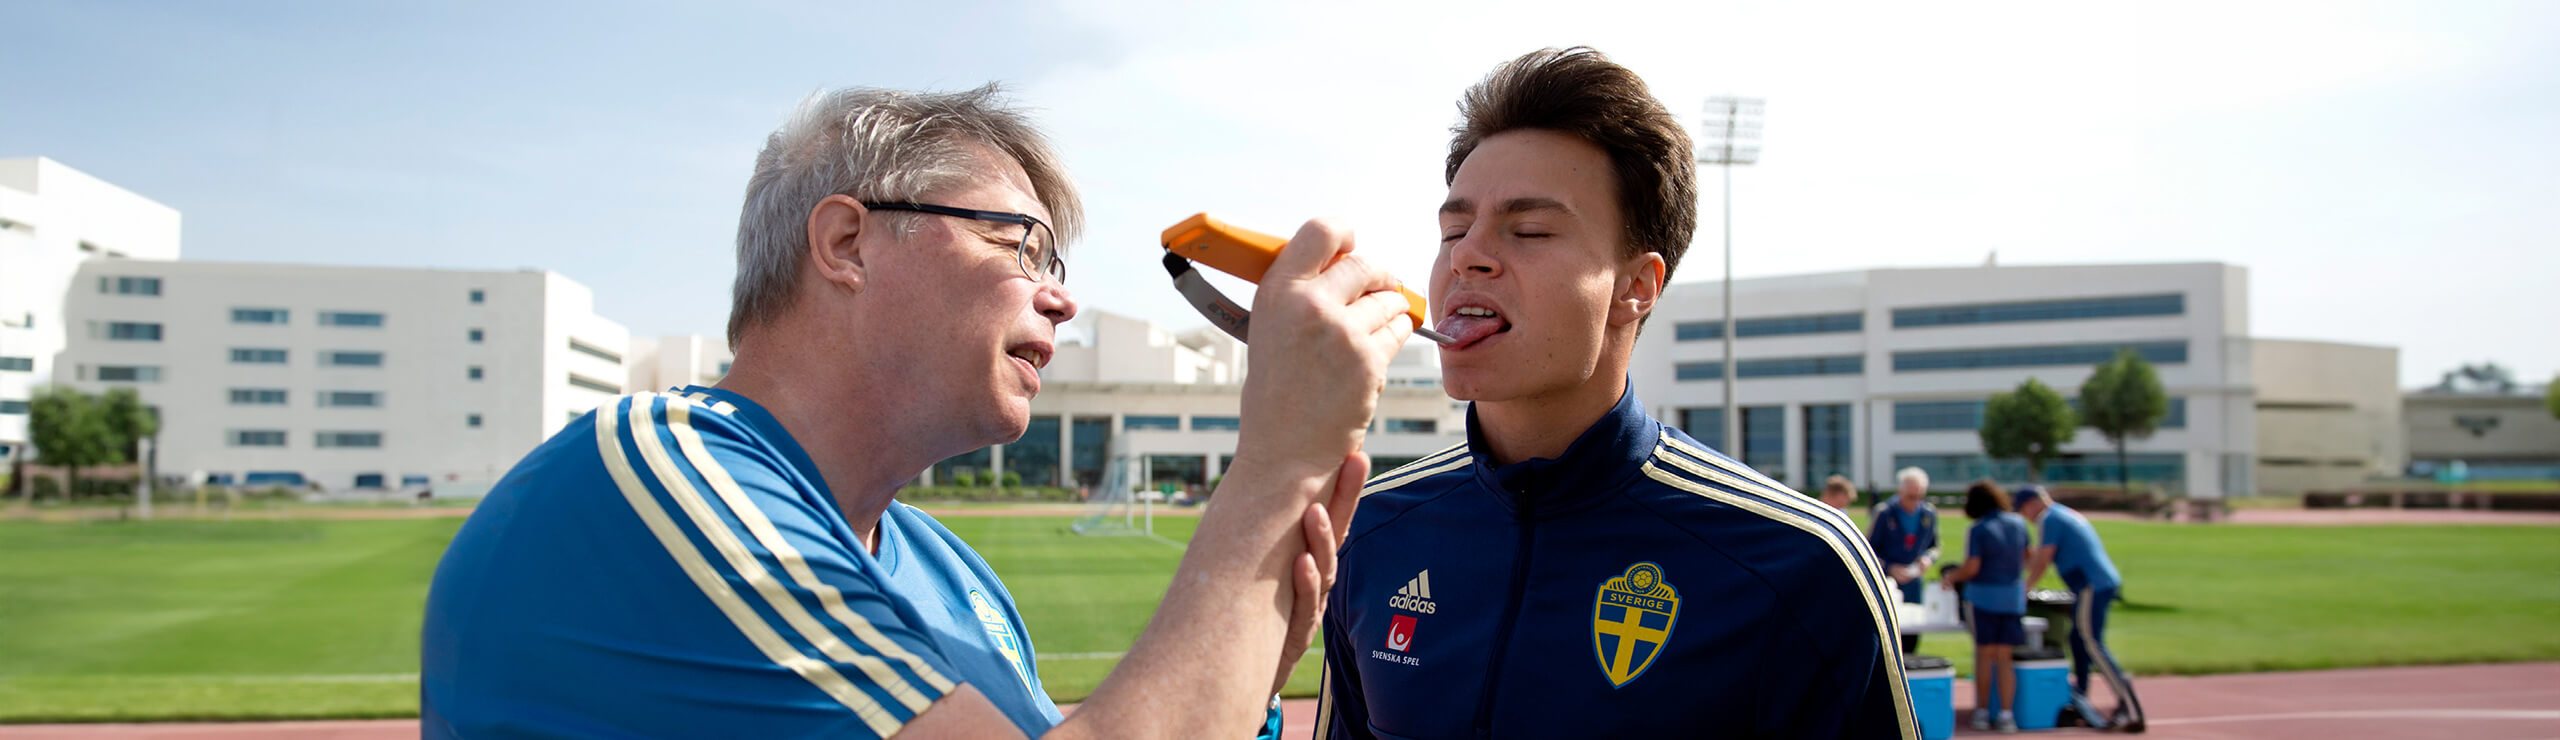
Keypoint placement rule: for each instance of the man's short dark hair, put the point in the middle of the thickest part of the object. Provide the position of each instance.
(1984, 498)
(1580, 93)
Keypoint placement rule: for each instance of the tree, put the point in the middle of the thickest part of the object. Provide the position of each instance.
(2032, 422)
(131, 421)
(70, 430)
(2551, 396)
(2124, 401)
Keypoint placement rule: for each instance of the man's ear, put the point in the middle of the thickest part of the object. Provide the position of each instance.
(836, 226)
(1639, 285)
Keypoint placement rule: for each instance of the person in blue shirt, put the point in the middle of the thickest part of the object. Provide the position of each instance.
(1995, 596)
(1904, 534)
(731, 561)
(2071, 547)
(1576, 568)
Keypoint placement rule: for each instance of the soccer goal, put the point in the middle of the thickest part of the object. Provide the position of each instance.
(1117, 507)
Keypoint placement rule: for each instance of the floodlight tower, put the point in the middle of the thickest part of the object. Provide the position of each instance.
(1730, 137)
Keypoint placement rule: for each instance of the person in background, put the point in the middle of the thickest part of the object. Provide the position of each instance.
(2071, 546)
(1995, 593)
(1837, 492)
(1904, 535)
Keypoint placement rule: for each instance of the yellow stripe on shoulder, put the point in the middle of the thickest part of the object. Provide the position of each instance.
(1430, 465)
(713, 586)
(1888, 628)
(1728, 465)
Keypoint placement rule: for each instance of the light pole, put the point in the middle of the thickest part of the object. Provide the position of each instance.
(1731, 137)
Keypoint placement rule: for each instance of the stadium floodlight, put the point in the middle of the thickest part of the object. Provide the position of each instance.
(1730, 137)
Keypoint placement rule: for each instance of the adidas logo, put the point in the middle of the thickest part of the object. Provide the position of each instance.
(1415, 596)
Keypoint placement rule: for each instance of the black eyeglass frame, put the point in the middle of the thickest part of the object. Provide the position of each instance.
(1057, 265)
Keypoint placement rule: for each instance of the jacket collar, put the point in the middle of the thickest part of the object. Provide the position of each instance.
(1598, 463)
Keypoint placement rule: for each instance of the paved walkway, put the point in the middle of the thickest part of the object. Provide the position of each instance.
(2494, 702)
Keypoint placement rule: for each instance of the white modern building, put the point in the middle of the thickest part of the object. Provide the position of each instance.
(1121, 386)
(343, 377)
(677, 360)
(53, 219)
(1866, 372)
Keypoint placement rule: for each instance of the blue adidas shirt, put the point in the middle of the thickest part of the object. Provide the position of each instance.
(673, 566)
(1637, 586)
(2077, 554)
(2000, 586)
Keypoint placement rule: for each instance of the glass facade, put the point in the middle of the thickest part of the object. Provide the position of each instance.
(1092, 453)
(257, 356)
(1157, 423)
(257, 396)
(1035, 455)
(977, 463)
(2158, 353)
(1186, 472)
(337, 399)
(2163, 470)
(1931, 416)
(129, 285)
(1829, 323)
(129, 331)
(13, 407)
(1413, 426)
(580, 348)
(129, 373)
(1764, 440)
(581, 381)
(356, 359)
(259, 315)
(18, 364)
(1773, 367)
(366, 440)
(2167, 304)
(1705, 425)
(1827, 441)
(257, 438)
(350, 318)
(1216, 424)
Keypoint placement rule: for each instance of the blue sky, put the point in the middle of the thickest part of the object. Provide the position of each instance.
(2387, 171)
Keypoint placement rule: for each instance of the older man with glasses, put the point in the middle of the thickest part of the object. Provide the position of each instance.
(731, 561)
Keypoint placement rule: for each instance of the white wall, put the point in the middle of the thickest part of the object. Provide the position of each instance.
(52, 218)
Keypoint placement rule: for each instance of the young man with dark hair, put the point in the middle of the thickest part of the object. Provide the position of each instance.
(1577, 568)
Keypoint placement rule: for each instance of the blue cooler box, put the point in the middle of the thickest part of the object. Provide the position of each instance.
(1933, 694)
(2044, 687)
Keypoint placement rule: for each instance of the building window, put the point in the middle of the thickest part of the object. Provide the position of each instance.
(476, 336)
(1705, 425)
(368, 480)
(479, 296)
(593, 351)
(581, 381)
(1164, 423)
(2168, 304)
(1829, 323)
(1413, 426)
(132, 331)
(257, 356)
(1932, 416)
(1182, 471)
(1035, 455)
(475, 372)
(129, 285)
(257, 396)
(350, 399)
(978, 464)
(1764, 440)
(2158, 353)
(129, 373)
(346, 440)
(472, 420)
(1827, 441)
(1216, 424)
(12, 407)
(724, 369)
(1091, 451)
(1773, 367)
(260, 316)
(257, 438)
(18, 364)
(365, 319)
(351, 359)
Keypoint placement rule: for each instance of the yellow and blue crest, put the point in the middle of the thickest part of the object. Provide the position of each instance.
(1631, 621)
(1000, 633)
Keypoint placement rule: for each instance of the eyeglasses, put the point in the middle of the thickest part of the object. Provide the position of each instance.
(1037, 246)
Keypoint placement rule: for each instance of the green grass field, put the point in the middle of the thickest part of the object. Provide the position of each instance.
(310, 618)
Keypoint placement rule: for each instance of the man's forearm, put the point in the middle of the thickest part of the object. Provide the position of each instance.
(1203, 666)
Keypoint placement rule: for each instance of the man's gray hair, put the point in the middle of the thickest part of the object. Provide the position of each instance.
(1911, 474)
(875, 145)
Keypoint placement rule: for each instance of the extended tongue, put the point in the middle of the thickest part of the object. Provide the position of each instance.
(1465, 330)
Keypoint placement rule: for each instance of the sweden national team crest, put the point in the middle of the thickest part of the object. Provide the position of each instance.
(1631, 621)
(1000, 632)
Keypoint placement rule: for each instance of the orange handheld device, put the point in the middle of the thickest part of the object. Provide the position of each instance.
(1248, 254)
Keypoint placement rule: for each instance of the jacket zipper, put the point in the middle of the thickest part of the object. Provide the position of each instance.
(1510, 615)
